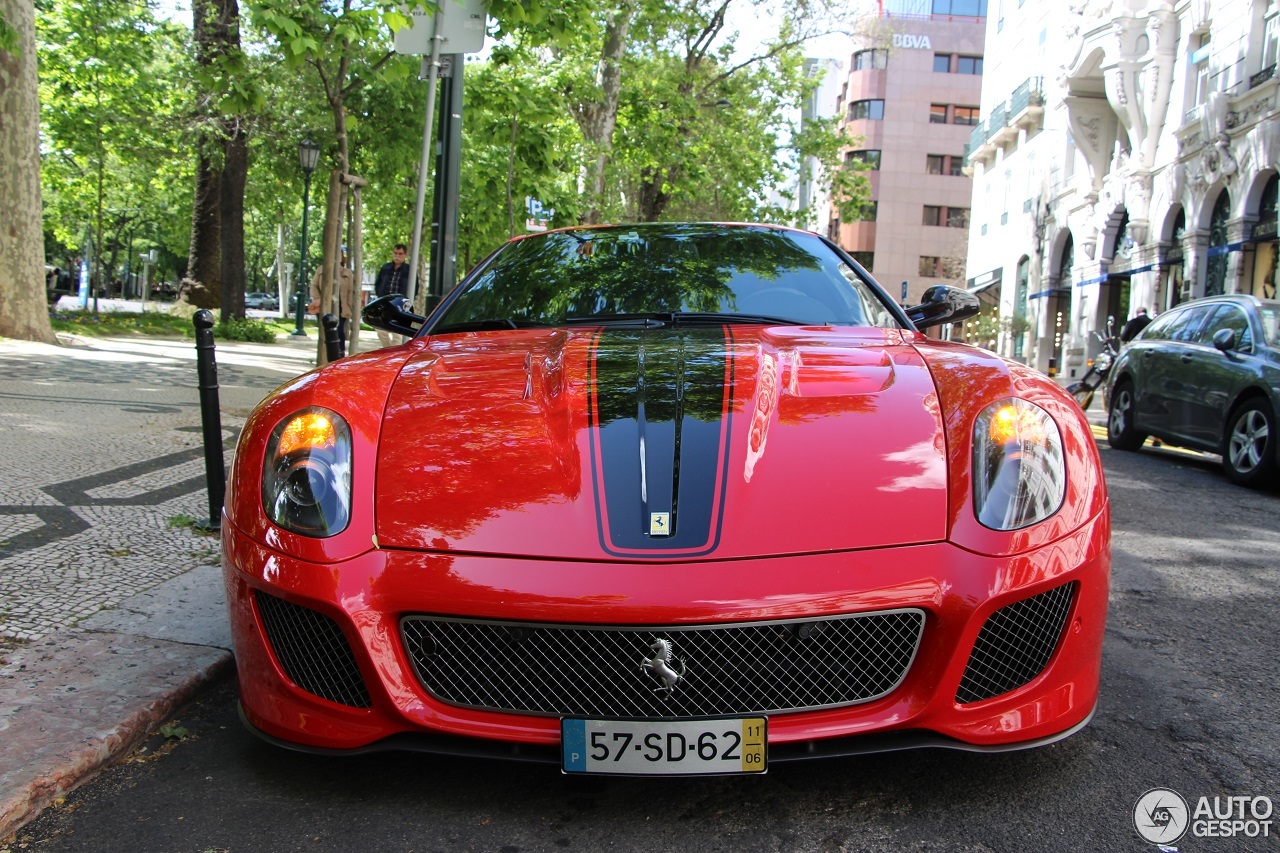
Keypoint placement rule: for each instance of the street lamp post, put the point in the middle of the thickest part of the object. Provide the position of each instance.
(308, 157)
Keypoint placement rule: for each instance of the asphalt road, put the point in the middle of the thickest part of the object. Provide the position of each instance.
(1188, 703)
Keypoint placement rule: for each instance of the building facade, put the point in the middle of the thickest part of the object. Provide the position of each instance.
(811, 201)
(1126, 157)
(908, 102)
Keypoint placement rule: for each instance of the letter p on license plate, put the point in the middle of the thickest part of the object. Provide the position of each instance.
(665, 747)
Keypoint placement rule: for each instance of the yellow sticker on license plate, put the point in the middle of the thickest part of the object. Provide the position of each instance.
(665, 747)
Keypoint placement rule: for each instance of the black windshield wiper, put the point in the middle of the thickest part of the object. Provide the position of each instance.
(694, 318)
(651, 321)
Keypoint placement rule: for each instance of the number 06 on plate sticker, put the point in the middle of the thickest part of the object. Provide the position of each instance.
(665, 747)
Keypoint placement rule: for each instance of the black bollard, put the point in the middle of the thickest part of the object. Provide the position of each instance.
(332, 346)
(210, 420)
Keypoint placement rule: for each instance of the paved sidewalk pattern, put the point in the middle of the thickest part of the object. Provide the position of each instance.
(111, 615)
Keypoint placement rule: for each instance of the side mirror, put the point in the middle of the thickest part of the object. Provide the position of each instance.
(1225, 339)
(391, 314)
(943, 304)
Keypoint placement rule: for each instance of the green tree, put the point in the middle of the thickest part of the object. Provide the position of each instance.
(101, 108)
(520, 143)
(228, 96)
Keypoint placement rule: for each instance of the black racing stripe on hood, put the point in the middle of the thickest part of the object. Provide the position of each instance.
(661, 407)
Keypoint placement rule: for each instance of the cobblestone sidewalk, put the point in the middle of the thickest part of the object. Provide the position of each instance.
(111, 606)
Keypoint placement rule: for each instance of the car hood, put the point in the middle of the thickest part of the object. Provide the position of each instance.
(662, 444)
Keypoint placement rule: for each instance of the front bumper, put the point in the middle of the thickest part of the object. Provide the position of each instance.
(958, 591)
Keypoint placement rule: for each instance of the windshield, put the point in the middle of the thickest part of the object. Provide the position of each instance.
(665, 272)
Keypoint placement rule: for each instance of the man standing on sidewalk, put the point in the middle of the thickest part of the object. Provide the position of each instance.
(392, 278)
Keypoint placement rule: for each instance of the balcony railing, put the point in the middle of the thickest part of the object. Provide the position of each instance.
(976, 137)
(1262, 76)
(1029, 94)
(998, 119)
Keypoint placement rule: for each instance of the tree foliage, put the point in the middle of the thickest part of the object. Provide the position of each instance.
(603, 110)
(110, 133)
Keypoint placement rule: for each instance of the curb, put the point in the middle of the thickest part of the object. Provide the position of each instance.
(176, 671)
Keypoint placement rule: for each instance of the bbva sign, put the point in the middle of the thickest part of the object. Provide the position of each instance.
(909, 40)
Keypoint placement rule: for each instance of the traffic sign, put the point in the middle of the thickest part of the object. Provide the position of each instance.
(462, 27)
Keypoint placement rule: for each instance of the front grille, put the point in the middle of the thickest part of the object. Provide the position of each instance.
(312, 651)
(1015, 644)
(725, 669)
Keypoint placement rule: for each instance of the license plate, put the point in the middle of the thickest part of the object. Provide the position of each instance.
(666, 747)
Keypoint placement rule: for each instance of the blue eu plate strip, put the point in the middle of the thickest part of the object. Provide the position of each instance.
(573, 734)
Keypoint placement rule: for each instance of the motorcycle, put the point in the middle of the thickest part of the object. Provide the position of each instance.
(1099, 367)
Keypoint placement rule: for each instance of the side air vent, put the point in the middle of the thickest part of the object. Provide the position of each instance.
(312, 651)
(1015, 644)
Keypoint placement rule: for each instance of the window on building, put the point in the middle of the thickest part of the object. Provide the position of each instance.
(1270, 43)
(969, 65)
(932, 215)
(867, 259)
(870, 157)
(938, 114)
(865, 60)
(942, 63)
(1215, 276)
(873, 110)
(957, 217)
(964, 115)
(944, 164)
(963, 8)
(930, 266)
(1199, 61)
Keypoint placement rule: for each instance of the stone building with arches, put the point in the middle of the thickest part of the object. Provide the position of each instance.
(1142, 172)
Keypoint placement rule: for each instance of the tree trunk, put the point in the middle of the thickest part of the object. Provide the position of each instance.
(23, 310)
(216, 33)
(598, 119)
(652, 200)
(332, 254)
(235, 169)
(203, 284)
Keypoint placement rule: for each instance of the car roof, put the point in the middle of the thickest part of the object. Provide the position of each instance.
(1235, 298)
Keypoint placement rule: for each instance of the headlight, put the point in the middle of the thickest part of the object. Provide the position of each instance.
(1018, 473)
(1102, 360)
(306, 476)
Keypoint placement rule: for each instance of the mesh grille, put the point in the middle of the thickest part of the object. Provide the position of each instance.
(312, 651)
(599, 671)
(1015, 644)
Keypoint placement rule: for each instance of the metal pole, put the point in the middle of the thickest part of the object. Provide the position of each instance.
(433, 74)
(443, 264)
(210, 418)
(302, 253)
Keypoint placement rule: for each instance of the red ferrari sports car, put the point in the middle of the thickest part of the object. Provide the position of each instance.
(668, 499)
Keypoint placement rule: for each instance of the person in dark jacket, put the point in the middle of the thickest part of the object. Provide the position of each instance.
(392, 278)
(1139, 322)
